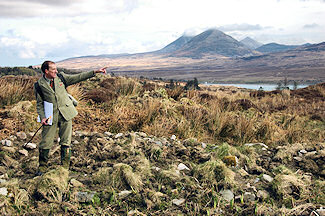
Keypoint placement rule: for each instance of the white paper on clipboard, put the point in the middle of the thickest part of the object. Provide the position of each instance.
(48, 110)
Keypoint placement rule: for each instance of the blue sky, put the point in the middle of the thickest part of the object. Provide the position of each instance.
(32, 31)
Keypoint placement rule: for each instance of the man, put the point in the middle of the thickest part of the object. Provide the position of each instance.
(53, 90)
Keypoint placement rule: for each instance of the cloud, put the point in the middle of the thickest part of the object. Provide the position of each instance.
(51, 8)
(311, 26)
(241, 27)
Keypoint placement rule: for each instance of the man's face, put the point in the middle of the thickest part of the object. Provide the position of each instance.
(51, 72)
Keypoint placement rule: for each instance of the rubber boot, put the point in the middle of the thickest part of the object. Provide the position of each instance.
(42, 159)
(65, 156)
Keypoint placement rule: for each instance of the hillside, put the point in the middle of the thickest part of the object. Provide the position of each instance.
(274, 47)
(152, 148)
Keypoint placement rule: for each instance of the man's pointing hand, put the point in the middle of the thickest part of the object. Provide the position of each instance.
(102, 70)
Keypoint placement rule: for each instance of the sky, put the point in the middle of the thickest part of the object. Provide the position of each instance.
(32, 31)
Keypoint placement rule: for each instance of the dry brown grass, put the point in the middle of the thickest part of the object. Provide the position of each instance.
(125, 104)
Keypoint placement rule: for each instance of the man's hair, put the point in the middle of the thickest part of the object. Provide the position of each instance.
(45, 65)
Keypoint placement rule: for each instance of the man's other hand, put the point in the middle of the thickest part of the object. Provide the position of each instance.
(44, 121)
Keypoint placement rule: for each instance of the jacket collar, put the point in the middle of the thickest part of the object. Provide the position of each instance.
(45, 84)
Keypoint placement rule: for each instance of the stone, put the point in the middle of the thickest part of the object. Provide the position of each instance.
(3, 191)
(23, 152)
(75, 142)
(173, 137)
(21, 135)
(3, 181)
(303, 151)
(108, 134)
(178, 202)
(227, 195)
(142, 134)
(182, 166)
(204, 145)
(248, 196)
(262, 194)
(124, 194)
(158, 143)
(118, 135)
(256, 144)
(298, 158)
(76, 183)
(267, 178)
(85, 197)
(31, 146)
(6, 142)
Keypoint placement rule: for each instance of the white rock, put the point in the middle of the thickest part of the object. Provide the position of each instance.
(31, 146)
(156, 168)
(142, 134)
(256, 180)
(204, 145)
(6, 142)
(124, 194)
(297, 158)
(262, 194)
(173, 137)
(3, 191)
(3, 181)
(182, 166)
(303, 151)
(76, 183)
(253, 144)
(75, 142)
(21, 135)
(23, 152)
(248, 196)
(227, 195)
(118, 135)
(108, 134)
(85, 196)
(178, 202)
(267, 178)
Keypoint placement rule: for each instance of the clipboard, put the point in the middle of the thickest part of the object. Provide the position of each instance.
(48, 110)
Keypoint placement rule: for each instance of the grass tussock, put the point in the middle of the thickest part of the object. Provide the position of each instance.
(15, 89)
(53, 184)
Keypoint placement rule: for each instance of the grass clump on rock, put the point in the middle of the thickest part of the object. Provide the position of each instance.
(53, 184)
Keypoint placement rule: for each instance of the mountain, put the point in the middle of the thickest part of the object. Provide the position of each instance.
(275, 47)
(251, 43)
(175, 45)
(212, 42)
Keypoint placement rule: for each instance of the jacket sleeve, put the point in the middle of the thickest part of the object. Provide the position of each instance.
(73, 79)
(39, 105)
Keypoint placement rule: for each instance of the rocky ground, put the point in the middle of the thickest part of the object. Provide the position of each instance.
(137, 174)
(263, 153)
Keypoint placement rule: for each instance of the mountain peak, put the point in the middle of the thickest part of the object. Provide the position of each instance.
(213, 42)
(251, 43)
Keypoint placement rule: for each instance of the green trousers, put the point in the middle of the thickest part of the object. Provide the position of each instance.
(49, 131)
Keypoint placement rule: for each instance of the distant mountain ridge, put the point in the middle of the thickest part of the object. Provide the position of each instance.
(251, 43)
(212, 42)
(275, 47)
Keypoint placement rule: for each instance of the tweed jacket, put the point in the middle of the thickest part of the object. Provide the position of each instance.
(59, 97)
